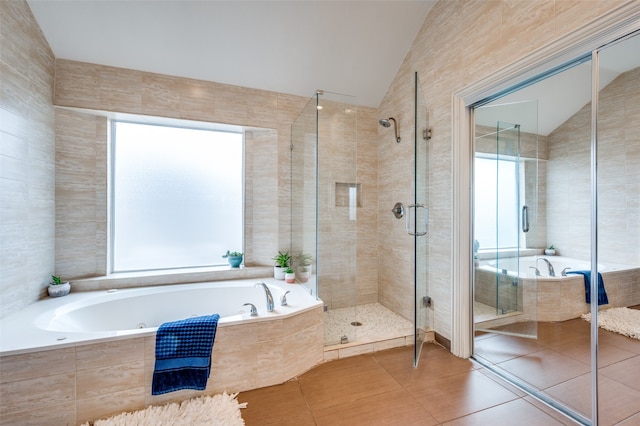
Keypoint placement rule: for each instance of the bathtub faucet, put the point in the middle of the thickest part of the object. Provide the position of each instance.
(267, 292)
(552, 272)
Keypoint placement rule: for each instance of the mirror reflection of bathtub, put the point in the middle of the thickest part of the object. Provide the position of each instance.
(559, 298)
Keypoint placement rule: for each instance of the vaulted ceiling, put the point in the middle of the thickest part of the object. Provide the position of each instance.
(295, 47)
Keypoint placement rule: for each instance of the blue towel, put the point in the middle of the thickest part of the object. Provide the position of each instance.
(602, 294)
(183, 354)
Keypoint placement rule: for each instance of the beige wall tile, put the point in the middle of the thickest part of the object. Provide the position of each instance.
(27, 156)
(14, 368)
(103, 406)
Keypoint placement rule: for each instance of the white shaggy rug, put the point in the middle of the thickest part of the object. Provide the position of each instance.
(216, 410)
(623, 321)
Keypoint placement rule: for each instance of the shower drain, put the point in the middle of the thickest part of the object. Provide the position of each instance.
(356, 323)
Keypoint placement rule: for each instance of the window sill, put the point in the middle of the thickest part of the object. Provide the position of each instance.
(170, 276)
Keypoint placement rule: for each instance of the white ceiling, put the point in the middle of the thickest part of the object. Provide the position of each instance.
(295, 47)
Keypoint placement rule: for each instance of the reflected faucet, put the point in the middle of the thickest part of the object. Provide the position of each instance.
(267, 292)
(552, 272)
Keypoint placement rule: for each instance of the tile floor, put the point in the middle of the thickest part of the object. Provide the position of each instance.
(383, 388)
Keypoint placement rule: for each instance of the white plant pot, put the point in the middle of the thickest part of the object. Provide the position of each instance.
(59, 290)
(290, 278)
(303, 277)
(550, 252)
(278, 272)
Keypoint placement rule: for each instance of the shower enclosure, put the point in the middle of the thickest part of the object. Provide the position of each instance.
(325, 204)
(334, 219)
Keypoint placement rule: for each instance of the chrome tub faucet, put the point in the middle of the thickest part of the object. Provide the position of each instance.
(552, 272)
(270, 304)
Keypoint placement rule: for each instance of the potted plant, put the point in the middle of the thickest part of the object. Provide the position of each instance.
(57, 287)
(551, 251)
(234, 258)
(304, 260)
(289, 275)
(303, 267)
(282, 263)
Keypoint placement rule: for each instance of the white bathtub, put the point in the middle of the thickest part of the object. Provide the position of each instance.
(94, 316)
(514, 285)
(525, 266)
(83, 356)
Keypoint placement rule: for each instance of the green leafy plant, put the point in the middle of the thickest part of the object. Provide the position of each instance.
(282, 259)
(289, 270)
(56, 280)
(551, 247)
(232, 254)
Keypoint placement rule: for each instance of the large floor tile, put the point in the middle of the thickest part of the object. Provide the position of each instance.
(545, 368)
(276, 405)
(390, 408)
(456, 396)
(511, 413)
(500, 348)
(336, 385)
(617, 402)
(626, 372)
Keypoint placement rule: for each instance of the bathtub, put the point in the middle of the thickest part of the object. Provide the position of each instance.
(91, 354)
(547, 298)
(528, 264)
(95, 316)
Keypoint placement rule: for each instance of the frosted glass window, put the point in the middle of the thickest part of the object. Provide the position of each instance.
(496, 203)
(177, 196)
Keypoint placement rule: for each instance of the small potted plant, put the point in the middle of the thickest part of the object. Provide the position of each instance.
(305, 261)
(234, 258)
(289, 275)
(282, 263)
(551, 251)
(303, 267)
(57, 287)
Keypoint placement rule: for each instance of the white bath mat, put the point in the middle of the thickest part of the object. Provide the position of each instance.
(216, 410)
(623, 321)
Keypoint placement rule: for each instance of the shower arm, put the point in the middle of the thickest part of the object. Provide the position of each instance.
(396, 129)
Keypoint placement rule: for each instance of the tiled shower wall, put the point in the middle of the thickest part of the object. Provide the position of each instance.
(619, 173)
(27, 154)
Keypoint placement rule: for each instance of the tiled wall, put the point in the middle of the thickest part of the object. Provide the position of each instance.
(73, 385)
(82, 203)
(460, 43)
(27, 154)
(569, 174)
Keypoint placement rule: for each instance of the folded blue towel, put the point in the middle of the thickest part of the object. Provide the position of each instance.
(602, 294)
(183, 354)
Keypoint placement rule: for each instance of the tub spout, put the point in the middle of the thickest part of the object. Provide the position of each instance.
(552, 272)
(537, 270)
(268, 294)
(564, 271)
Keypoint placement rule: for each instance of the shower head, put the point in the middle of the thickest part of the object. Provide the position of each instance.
(386, 122)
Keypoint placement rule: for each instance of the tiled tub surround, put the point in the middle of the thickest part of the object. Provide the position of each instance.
(558, 298)
(84, 378)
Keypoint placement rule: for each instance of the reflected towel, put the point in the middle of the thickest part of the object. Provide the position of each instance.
(183, 354)
(602, 294)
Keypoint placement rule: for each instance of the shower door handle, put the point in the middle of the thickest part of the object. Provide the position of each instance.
(425, 222)
(525, 218)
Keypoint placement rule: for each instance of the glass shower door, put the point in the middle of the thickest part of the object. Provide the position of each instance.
(505, 188)
(418, 219)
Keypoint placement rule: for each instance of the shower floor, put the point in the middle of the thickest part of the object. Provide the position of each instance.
(377, 324)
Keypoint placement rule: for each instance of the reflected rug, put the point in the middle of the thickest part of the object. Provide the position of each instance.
(216, 410)
(623, 321)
